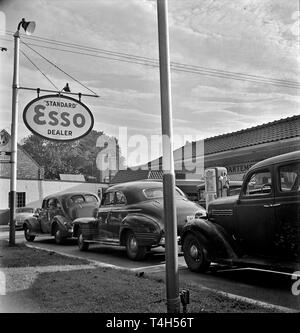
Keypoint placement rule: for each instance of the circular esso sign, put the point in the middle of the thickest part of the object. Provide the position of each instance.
(58, 117)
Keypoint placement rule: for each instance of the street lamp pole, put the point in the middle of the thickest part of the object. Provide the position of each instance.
(14, 142)
(29, 28)
(170, 218)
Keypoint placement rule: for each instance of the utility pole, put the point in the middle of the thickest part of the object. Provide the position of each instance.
(14, 140)
(170, 218)
(29, 28)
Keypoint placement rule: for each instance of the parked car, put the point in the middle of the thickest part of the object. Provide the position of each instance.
(260, 227)
(22, 214)
(131, 215)
(57, 214)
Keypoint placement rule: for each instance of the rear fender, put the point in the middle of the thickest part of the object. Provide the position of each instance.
(146, 228)
(216, 240)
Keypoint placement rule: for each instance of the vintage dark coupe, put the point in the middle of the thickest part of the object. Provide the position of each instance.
(57, 214)
(260, 227)
(131, 215)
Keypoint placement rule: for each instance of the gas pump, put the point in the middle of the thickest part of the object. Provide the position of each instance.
(216, 183)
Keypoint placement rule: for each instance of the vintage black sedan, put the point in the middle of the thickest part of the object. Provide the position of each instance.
(259, 227)
(58, 211)
(131, 215)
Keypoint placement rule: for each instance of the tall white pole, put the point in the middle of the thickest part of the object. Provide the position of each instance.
(14, 140)
(170, 218)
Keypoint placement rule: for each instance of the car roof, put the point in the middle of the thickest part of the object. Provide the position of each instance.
(288, 157)
(65, 195)
(135, 185)
(134, 190)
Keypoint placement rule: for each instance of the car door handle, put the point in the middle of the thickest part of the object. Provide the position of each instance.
(270, 206)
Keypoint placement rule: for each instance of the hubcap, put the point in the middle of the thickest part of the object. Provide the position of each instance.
(133, 244)
(194, 252)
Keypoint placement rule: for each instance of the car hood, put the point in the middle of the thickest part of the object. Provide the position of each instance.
(224, 201)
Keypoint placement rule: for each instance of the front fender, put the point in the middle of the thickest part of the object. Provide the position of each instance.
(147, 230)
(218, 242)
(33, 225)
(87, 225)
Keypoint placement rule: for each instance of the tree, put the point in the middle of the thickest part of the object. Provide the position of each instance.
(75, 157)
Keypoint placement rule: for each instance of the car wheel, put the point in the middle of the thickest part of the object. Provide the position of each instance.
(28, 237)
(59, 239)
(134, 251)
(195, 254)
(83, 246)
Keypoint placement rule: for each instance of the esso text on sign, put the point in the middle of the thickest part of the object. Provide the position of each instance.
(58, 117)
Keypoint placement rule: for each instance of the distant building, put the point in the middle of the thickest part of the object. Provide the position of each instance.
(237, 151)
(28, 168)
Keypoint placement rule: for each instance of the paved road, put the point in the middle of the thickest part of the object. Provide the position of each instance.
(258, 285)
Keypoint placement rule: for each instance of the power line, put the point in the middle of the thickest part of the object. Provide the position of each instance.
(129, 58)
(24, 54)
(182, 68)
(50, 62)
(135, 57)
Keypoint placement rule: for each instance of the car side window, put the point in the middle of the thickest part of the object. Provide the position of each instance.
(259, 183)
(290, 177)
(52, 203)
(120, 198)
(108, 198)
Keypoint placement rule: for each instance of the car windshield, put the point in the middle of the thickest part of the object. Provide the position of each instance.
(153, 193)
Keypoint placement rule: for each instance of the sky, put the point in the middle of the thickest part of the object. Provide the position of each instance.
(257, 38)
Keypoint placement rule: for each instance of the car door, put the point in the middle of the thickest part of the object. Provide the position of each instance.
(118, 213)
(287, 209)
(104, 231)
(255, 212)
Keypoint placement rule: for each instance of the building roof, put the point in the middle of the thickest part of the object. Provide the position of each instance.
(130, 175)
(269, 132)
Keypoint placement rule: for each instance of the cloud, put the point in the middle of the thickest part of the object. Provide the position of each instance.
(251, 37)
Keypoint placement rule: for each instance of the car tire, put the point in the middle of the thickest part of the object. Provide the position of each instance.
(83, 246)
(59, 239)
(28, 237)
(134, 251)
(195, 254)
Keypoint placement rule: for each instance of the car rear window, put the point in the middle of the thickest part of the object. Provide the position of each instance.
(90, 198)
(152, 193)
